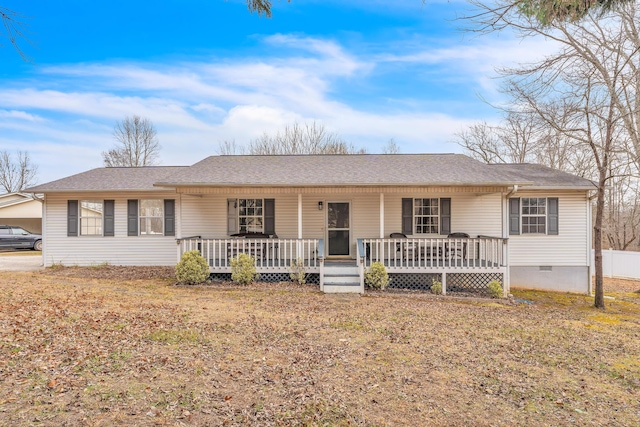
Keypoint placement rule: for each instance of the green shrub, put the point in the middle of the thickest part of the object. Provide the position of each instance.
(243, 269)
(192, 268)
(436, 287)
(297, 271)
(377, 276)
(495, 289)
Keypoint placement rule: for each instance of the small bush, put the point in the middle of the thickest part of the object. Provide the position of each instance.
(243, 269)
(436, 287)
(192, 268)
(297, 271)
(495, 289)
(377, 276)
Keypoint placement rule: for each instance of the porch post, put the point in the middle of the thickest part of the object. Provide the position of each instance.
(299, 243)
(381, 227)
(299, 215)
(382, 215)
(444, 283)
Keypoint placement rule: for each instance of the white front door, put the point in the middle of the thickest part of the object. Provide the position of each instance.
(338, 228)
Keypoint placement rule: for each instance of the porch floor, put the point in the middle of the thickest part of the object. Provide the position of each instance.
(439, 264)
(389, 263)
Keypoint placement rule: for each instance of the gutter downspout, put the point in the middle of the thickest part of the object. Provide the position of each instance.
(505, 235)
(513, 191)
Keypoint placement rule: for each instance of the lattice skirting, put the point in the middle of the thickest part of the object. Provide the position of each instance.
(475, 283)
(413, 281)
(312, 278)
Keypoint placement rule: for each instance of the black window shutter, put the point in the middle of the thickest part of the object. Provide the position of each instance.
(269, 216)
(232, 216)
(132, 217)
(72, 217)
(552, 215)
(169, 217)
(445, 216)
(514, 215)
(407, 216)
(109, 208)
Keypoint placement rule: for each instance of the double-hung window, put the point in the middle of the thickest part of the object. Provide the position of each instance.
(250, 216)
(534, 215)
(426, 216)
(91, 217)
(151, 217)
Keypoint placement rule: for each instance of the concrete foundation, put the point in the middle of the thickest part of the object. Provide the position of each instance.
(551, 278)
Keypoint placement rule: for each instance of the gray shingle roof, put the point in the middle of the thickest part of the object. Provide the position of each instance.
(328, 170)
(544, 177)
(109, 179)
(318, 170)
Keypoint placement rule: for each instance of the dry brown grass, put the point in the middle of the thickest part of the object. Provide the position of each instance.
(20, 252)
(80, 349)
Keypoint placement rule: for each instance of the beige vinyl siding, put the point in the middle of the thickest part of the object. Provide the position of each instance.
(470, 213)
(206, 215)
(568, 248)
(117, 250)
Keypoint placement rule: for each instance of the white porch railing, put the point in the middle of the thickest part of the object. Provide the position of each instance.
(410, 254)
(269, 254)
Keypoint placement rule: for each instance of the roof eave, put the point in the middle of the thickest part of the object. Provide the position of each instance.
(562, 187)
(103, 190)
(346, 184)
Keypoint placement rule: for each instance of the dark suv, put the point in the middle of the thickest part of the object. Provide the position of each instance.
(12, 237)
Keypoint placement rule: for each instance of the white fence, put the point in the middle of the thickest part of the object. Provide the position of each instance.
(621, 264)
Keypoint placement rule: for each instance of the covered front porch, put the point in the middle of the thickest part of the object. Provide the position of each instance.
(353, 226)
(460, 264)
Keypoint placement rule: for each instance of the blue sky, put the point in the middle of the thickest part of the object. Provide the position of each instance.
(206, 71)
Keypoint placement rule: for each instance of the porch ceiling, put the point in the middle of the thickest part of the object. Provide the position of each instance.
(340, 190)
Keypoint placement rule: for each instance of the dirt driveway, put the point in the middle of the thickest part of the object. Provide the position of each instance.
(18, 261)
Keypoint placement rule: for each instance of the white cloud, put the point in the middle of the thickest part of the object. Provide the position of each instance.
(19, 115)
(195, 105)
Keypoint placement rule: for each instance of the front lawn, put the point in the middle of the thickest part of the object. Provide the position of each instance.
(94, 347)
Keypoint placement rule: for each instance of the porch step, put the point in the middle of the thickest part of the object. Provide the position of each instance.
(334, 279)
(335, 270)
(342, 288)
(341, 279)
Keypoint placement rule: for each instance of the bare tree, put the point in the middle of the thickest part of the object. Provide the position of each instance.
(302, 139)
(391, 147)
(13, 28)
(622, 212)
(586, 92)
(229, 148)
(17, 173)
(136, 144)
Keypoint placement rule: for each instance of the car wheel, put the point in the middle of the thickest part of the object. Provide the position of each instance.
(37, 246)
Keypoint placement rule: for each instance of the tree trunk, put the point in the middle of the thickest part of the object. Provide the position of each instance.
(597, 241)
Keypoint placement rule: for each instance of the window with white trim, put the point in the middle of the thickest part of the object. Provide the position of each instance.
(250, 216)
(91, 217)
(151, 217)
(426, 215)
(534, 215)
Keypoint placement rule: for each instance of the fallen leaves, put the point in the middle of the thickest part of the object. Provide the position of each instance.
(80, 346)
